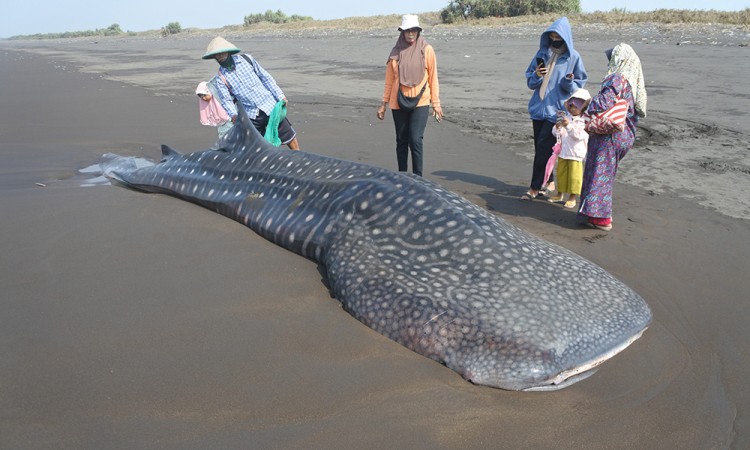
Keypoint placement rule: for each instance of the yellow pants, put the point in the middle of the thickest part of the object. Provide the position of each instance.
(569, 176)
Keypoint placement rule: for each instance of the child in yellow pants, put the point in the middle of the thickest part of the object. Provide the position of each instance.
(574, 139)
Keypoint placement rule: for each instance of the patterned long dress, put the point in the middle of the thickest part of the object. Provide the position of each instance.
(606, 150)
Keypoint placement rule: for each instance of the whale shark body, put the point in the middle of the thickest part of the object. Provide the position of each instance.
(413, 261)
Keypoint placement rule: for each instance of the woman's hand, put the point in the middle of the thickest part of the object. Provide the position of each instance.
(381, 110)
(541, 71)
(438, 112)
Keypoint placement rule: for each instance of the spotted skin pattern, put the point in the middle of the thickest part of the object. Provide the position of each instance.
(413, 261)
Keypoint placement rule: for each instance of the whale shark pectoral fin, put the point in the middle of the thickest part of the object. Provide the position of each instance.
(168, 153)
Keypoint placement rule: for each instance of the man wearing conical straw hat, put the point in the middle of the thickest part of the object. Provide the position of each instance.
(242, 79)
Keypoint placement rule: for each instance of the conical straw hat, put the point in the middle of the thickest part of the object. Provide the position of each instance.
(220, 45)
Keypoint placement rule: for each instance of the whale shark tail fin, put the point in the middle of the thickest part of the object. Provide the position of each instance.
(168, 153)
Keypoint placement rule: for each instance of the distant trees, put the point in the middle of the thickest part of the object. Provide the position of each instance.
(464, 9)
(274, 17)
(171, 28)
(112, 30)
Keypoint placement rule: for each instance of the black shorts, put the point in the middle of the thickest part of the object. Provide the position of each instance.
(286, 132)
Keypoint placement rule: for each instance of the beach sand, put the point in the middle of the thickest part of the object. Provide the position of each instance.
(136, 320)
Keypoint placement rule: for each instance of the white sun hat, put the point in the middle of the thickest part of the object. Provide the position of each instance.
(409, 21)
(583, 94)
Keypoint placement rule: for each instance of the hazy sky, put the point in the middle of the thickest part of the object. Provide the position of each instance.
(53, 16)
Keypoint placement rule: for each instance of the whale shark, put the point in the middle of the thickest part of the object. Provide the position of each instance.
(417, 263)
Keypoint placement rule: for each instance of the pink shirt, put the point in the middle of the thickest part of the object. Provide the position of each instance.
(574, 138)
(211, 112)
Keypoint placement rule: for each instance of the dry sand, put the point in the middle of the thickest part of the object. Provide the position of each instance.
(141, 321)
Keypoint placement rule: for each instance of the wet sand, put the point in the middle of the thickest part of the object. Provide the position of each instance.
(142, 321)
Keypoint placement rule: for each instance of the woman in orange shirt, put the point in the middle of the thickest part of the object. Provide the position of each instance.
(412, 70)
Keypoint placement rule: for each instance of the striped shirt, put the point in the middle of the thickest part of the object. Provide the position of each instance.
(250, 84)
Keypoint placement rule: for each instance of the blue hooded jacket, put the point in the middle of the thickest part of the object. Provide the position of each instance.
(560, 87)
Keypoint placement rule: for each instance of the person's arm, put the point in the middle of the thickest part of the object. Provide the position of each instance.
(606, 98)
(576, 78)
(390, 75)
(225, 97)
(533, 76)
(432, 78)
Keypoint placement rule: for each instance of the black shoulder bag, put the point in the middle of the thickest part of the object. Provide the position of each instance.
(408, 104)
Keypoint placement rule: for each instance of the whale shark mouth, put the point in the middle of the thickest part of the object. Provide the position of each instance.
(576, 374)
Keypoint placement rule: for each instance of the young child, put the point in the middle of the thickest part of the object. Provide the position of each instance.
(211, 112)
(574, 138)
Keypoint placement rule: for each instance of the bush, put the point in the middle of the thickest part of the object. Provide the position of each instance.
(274, 17)
(112, 30)
(171, 28)
(476, 9)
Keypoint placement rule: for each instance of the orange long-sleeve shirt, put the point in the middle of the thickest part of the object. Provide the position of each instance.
(431, 93)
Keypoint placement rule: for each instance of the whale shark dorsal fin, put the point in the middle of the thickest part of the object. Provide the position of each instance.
(168, 153)
(244, 134)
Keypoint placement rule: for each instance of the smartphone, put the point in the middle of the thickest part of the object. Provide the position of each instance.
(539, 62)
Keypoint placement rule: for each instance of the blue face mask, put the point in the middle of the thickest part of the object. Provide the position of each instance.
(556, 44)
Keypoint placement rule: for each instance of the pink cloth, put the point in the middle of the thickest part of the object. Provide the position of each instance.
(551, 162)
(211, 112)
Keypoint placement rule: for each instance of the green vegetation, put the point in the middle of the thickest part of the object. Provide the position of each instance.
(458, 10)
(669, 16)
(171, 28)
(274, 17)
(615, 17)
(111, 30)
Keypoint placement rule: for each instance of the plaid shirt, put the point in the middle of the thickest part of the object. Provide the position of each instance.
(250, 84)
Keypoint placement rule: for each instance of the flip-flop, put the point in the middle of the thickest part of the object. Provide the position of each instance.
(570, 204)
(528, 196)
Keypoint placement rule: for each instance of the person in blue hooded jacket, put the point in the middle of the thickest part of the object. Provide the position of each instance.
(555, 72)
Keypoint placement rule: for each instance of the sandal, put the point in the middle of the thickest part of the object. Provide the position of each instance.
(570, 204)
(600, 227)
(528, 196)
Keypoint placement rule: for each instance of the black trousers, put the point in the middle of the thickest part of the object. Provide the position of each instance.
(543, 142)
(409, 134)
